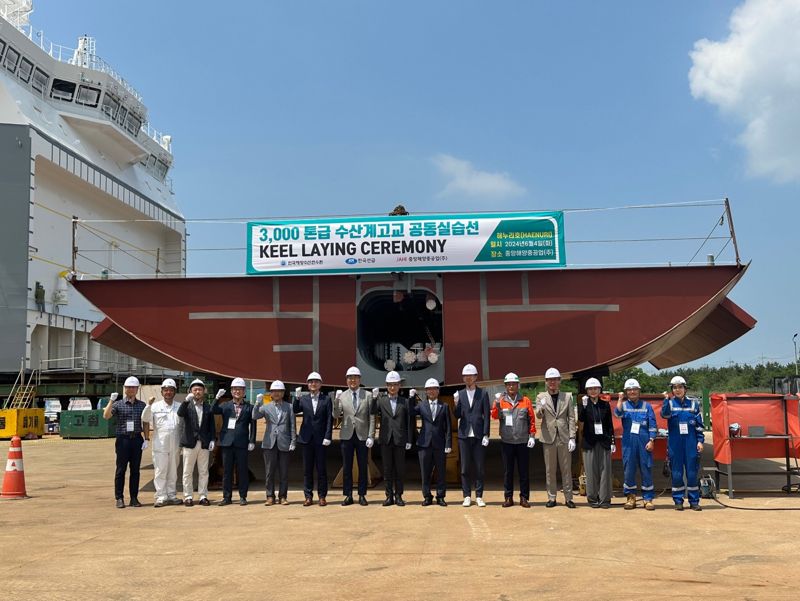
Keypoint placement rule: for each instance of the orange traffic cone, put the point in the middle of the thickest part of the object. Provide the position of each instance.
(14, 482)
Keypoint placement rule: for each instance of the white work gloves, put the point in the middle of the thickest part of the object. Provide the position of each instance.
(571, 445)
(585, 400)
(251, 446)
(408, 446)
(145, 444)
(375, 392)
(447, 450)
(531, 442)
(613, 448)
(220, 394)
(412, 393)
(291, 446)
(326, 442)
(211, 446)
(485, 441)
(189, 397)
(369, 443)
(338, 394)
(260, 399)
(298, 391)
(114, 397)
(151, 400)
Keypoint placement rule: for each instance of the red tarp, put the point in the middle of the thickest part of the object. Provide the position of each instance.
(753, 410)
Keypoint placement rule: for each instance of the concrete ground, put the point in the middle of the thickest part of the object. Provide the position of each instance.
(68, 541)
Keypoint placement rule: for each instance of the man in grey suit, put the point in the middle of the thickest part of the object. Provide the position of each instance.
(279, 440)
(557, 434)
(394, 437)
(357, 434)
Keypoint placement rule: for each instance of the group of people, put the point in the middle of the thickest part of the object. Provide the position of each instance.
(187, 430)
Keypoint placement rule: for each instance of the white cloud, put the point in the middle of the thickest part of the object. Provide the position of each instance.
(465, 180)
(754, 77)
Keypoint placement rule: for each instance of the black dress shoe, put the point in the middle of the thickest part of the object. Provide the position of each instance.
(441, 502)
(347, 501)
(550, 503)
(188, 502)
(135, 503)
(242, 501)
(399, 501)
(120, 504)
(570, 504)
(205, 502)
(225, 502)
(427, 501)
(388, 501)
(362, 501)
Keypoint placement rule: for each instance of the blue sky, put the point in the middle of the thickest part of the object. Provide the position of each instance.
(350, 107)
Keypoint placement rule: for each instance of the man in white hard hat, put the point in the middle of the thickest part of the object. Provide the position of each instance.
(684, 416)
(559, 427)
(164, 422)
(434, 442)
(237, 437)
(279, 440)
(517, 436)
(473, 412)
(129, 444)
(394, 437)
(639, 429)
(316, 432)
(597, 444)
(197, 439)
(357, 434)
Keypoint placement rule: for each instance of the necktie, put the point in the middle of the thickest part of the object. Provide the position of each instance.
(433, 409)
(355, 401)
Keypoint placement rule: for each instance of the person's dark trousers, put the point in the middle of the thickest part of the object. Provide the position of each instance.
(428, 459)
(472, 456)
(237, 456)
(360, 447)
(394, 468)
(314, 458)
(275, 460)
(519, 454)
(129, 455)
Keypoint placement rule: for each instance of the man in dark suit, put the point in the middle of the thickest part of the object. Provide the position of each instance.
(393, 437)
(197, 441)
(237, 437)
(434, 442)
(472, 410)
(316, 431)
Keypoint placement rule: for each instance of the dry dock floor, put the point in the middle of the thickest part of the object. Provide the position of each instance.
(68, 541)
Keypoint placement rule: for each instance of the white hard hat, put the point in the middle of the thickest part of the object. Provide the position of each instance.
(393, 377)
(131, 381)
(677, 380)
(552, 373)
(238, 382)
(277, 385)
(353, 371)
(314, 376)
(469, 370)
(169, 383)
(632, 383)
(593, 383)
(511, 377)
(432, 383)
(197, 382)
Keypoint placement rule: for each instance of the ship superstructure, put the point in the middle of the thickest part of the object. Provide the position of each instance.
(85, 187)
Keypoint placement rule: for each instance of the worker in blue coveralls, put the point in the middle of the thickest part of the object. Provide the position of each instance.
(638, 433)
(686, 437)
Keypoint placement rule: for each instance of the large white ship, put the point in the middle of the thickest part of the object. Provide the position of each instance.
(85, 187)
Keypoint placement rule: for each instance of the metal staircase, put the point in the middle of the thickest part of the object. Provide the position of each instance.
(23, 394)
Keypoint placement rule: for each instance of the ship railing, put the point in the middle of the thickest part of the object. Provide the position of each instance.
(65, 54)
